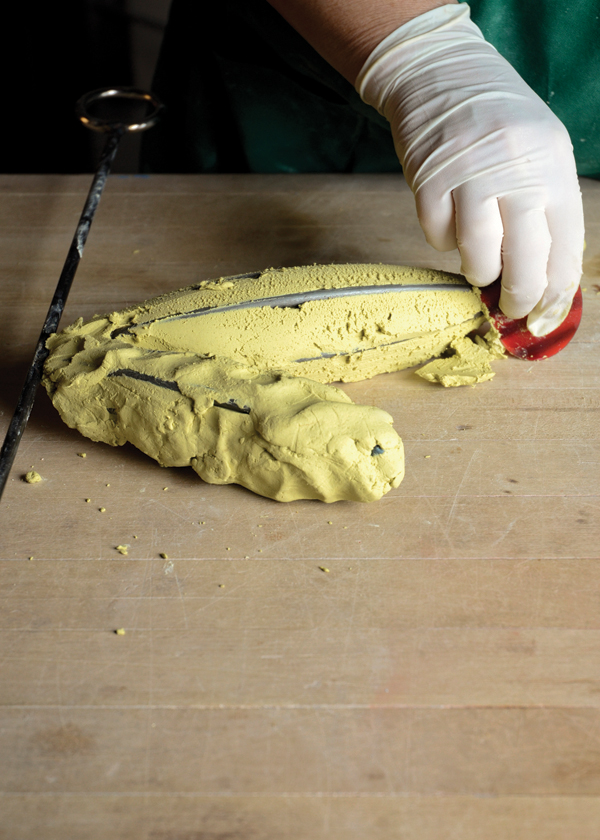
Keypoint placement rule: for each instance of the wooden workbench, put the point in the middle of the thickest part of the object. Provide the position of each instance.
(440, 681)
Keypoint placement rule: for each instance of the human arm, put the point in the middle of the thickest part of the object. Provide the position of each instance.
(345, 32)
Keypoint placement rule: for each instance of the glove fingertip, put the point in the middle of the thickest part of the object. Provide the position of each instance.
(514, 306)
(442, 241)
(481, 276)
(436, 216)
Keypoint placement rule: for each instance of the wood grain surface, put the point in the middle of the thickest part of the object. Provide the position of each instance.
(440, 680)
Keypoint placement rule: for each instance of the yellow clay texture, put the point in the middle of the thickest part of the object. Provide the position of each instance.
(33, 477)
(237, 394)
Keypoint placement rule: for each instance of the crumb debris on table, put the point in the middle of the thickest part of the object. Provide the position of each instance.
(88, 501)
(120, 631)
(32, 477)
(324, 568)
(122, 549)
(30, 558)
(163, 556)
(102, 510)
(82, 454)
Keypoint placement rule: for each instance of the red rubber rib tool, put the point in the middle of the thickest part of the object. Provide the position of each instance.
(515, 336)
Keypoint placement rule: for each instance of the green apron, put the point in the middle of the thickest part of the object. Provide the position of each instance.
(246, 93)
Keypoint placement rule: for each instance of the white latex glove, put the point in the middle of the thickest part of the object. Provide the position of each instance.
(491, 167)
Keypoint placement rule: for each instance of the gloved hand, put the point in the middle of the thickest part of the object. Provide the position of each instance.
(491, 167)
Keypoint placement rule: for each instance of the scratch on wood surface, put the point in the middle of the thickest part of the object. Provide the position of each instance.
(503, 536)
(438, 520)
(182, 601)
(574, 718)
(459, 488)
(425, 497)
(299, 538)
(166, 507)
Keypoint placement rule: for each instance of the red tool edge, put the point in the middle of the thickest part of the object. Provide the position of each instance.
(515, 336)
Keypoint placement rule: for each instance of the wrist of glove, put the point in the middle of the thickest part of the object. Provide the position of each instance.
(490, 165)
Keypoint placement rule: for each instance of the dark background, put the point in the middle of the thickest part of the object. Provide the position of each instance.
(53, 52)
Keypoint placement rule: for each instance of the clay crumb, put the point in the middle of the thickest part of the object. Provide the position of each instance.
(30, 558)
(323, 568)
(32, 477)
(227, 549)
(427, 456)
(82, 454)
(102, 510)
(329, 522)
(123, 549)
(120, 631)
(135, 536)
(165, 488)
(221, 586)
(163, 556)
(88, 501)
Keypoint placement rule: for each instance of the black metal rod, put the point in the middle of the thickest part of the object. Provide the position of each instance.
(34, 375)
